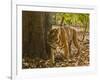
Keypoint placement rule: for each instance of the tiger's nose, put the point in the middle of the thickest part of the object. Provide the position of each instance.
(58, 49)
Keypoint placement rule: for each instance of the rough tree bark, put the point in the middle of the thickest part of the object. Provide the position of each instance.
(34, 30)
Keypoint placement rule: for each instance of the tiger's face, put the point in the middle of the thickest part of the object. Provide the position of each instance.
(54, 39)
(53, 36)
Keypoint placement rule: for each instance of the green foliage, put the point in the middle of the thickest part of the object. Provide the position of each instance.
(75, 19)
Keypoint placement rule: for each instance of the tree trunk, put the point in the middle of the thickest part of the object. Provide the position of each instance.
(34, 28)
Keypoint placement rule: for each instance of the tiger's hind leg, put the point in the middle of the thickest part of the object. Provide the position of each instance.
(75, 41)
(70, 54)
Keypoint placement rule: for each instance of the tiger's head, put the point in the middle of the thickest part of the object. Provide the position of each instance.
(54, 39)
(53, 36)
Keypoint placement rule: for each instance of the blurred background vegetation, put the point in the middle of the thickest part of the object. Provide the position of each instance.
(74, 19)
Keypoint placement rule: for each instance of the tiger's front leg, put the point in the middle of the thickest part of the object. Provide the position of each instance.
(76, 43)
(52, 56)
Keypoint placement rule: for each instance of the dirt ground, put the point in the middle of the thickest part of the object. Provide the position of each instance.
(81, 60)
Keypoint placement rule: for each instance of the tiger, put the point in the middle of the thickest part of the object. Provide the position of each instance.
(60, 40)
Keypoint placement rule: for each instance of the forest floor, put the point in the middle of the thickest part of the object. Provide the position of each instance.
(81, 60)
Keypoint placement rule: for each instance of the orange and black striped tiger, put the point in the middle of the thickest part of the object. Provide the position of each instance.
(60, 40)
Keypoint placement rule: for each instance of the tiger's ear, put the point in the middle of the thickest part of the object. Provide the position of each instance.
(49, 31)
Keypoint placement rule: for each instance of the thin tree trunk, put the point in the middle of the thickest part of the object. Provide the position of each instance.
(61, 24)
(84, 34)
